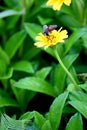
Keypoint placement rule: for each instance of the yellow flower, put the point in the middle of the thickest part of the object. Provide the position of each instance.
(58, 3)
(54, 37)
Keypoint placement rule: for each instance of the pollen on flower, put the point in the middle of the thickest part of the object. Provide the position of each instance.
(54, 37)
(58, 3)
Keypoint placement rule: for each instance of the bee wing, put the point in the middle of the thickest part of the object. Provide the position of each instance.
(52, 27)
(45, 28)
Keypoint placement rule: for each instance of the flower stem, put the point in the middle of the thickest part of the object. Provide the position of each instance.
(66, 70)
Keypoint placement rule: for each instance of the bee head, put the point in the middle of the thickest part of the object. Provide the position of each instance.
(45, 29)
(49, 28)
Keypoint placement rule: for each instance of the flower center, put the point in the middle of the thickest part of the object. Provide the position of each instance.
(51, 39)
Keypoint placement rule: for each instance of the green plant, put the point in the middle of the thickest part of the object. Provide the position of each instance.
(27, 72)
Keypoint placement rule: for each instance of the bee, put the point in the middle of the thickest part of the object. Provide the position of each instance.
(49, 28)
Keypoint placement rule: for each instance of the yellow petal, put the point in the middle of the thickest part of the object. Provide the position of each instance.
(39, 44)
(57, 6)
(63, 35)
(67, 2)
(58, 3)
(50, 2)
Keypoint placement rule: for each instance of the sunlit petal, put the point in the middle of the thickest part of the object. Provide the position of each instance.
(58, 3)
(67, 2)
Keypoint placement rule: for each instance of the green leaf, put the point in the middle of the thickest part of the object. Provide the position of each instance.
(74, 37)
(69, 21)
(79, 95)
(31, 53)
(36, 84)
(3, 93)
(4, 56)
(23, 66)
(74, 74)
(29, 4)
(22, 95)
(84, 37)
(27, 116)
(33, 29)
(78, 9)
(8, 74)
(10, 13)
(37, 8)
(11, 22)
(43, 72)
(11, 3)
(83, 86)
(2, 23)
(9, 123)
(67, 10)
(38, 118)
(44, 21)
(79, 102)
(75, 123)
(59, 73)
(46, 125)
(56, 110)
(5, 72)
(68, 110)
(80, 106)
(4, 101)
(14, 43)
(2, 69)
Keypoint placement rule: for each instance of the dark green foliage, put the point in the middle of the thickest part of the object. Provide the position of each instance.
(27, 71)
